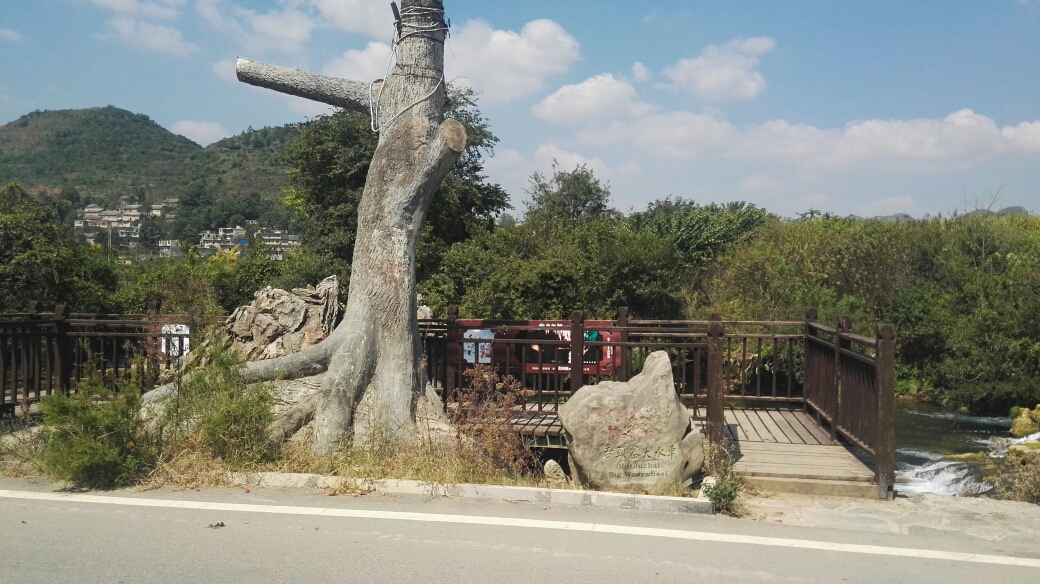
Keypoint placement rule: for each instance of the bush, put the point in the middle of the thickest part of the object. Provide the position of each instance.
(235, 428)
(729, 483)
(95, 438)
(216, 409)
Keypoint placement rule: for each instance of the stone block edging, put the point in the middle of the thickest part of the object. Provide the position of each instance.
(541, 495)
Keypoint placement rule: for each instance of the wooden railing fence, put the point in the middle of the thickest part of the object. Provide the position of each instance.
(45, 352)
(850, 387)
(846, 381)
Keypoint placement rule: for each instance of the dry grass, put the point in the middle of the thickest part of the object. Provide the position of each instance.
(484, 450)
(21, 447)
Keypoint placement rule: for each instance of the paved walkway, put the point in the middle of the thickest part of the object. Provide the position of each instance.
(918, 514)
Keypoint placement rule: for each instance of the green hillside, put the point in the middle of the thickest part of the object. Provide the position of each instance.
(109, 152)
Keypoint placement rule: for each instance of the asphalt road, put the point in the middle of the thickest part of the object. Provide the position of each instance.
(282, 536)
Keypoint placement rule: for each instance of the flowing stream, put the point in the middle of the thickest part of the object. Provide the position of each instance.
(925, 434)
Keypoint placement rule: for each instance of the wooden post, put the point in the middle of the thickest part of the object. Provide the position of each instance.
(811, 315)
(64, 347)
(33, 337)
(451, 368)
(624, 359)
(844, 326)
(152, 346)
(577, 350)
(716, 414)
(885, 449)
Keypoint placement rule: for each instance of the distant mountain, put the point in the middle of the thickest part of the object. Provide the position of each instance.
(1004, 211)
(106, 153)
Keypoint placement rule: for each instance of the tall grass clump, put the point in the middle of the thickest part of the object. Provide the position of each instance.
(95, 438)
(215, 410)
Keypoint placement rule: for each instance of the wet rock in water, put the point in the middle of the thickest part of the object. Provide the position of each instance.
(279, 322)
(1027, 422)
(634, 434)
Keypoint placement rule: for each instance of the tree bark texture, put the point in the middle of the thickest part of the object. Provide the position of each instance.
(374, 378)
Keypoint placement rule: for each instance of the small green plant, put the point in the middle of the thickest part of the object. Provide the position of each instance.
(723, 496)
(95, 438)
(728, 484)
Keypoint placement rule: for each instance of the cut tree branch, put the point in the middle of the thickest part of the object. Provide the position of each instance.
(342, 93)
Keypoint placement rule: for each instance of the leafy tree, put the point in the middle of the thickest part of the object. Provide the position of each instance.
(700, 233)
(566, 196)
(39, 261)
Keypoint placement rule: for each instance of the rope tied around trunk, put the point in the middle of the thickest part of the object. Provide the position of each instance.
(403, 29)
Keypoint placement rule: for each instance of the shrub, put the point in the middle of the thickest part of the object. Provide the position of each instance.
(95, 438)
(235, 428)
(484, 415)
(215, 408)
(728, 484)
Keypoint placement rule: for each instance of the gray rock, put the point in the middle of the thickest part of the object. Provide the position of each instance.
(554, 473)
(279, 322)
(635, 434)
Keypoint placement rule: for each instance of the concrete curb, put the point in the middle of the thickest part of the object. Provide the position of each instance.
(541, 495)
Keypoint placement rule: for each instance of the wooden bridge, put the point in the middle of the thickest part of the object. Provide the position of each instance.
(804, 407)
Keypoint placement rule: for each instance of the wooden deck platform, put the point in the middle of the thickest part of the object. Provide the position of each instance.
(779, 450)
(786, 451)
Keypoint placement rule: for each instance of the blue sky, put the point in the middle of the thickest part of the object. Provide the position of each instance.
(868, 107)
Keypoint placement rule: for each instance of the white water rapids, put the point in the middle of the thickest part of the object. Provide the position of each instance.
(925, 436)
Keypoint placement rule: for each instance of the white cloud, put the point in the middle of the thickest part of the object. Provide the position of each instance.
(365, 65)
(678, 134)
(546, 154)
(369, 17)
(9, 35)
(204, 133)
(284, 30)
(723, 73)
(287, 30)
(158, 10)
(640, 74)
(306, 107)
(505, 64)
(152, 37)
(598, 98)
(225, 70)
(817, 201)
(960, 141)
(208, 11)
(1025, 136)
(505, 160)
(761, 184)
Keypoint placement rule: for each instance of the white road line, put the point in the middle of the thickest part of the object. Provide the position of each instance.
(531, 524)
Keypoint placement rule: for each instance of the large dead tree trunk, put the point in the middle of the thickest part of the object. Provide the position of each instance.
(374, 380)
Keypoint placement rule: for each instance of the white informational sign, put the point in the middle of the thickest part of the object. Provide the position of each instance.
(477, 352)
(177, 337)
